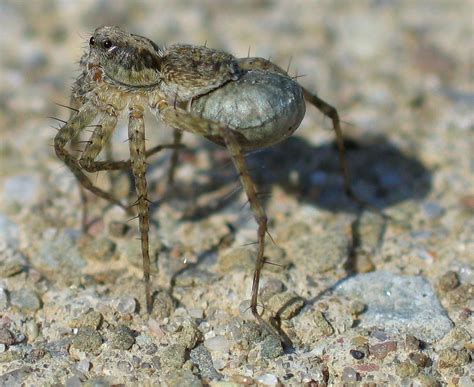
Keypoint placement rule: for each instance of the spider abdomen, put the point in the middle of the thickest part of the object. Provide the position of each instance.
(264, 107)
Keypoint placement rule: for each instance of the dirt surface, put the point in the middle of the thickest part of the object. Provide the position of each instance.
(358, 298)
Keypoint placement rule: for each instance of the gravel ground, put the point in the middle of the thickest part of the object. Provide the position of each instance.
(358, 298)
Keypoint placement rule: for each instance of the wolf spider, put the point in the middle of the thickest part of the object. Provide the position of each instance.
(242, 104)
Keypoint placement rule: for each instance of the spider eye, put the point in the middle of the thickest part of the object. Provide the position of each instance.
(92, 41)
(107, 44)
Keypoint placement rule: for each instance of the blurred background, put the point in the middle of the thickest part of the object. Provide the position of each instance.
(394, 69)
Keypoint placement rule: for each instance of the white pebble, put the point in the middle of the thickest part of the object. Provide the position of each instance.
(84, 366)
(218, 344)
(267, 380)
(196, 312)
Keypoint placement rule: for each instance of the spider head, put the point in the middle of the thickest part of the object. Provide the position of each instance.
(124, 59)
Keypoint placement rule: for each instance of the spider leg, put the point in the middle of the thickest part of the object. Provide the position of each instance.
(66, 134)
(177, 136)
(136, 135)
(181, 119)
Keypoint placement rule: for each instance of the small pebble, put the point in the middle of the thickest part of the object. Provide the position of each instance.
(3, 348)
(32, 330)
(84, 366)
(461, 295)
(87, 340)
(3, 299)
(122, 338)
(188, 333)
(91, 319)
(286, 305)
(430, 381)
(218, 344)
(118, 229)
(203, 359)
(358, 355)
(6, 336)
(412, 343)
(181, 378)
(173, 356)
(12, 265)
(407, 369)
(379, 335)
(126, 305)
(9, 356)
(451, 357)
(124, 366)
(350, 375)
(420, 359)
(322, 326)
(163, 305)
(100, 249)
(26, 299)
(271, 287)
(267, 380)
(380, 351)
(448, 281)
(196, 313)
(271, 348)
(432, 210)
(357, 307)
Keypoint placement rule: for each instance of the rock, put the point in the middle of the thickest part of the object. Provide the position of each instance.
(91, 319)
(267, 380)
(4, 303)
(420, 359)
(26, 300)
(407, 369)
(380, 351)
(217, 343)
(9, 356)
(9, 233)
(402, 304)
(322, 326)
(84, 366)
(451, 357)
(122, 338)
(118, 229)
(126, 305)
(21, 189)
(448, 281)
(100, 249)
(60, 252)
(412, 343)
(237, 258)
(285, 305)
(350, 375)
(6, 336)
(87, 340)
(173, 356)
(270, 287)
(163, 305)
(194, 277)
(188, 334)
(12, 262)
(203, 359)
(462, 295)
(181, 378)
(32, 330)
(319, 253)
(271, 347)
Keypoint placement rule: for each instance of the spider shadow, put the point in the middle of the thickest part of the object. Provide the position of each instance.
(380, 174)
